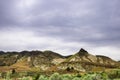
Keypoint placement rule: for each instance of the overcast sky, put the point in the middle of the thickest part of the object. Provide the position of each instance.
(63, 26)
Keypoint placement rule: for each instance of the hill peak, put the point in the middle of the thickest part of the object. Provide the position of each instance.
(82, 52)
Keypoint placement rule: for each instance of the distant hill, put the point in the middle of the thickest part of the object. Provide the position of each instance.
(52, 61)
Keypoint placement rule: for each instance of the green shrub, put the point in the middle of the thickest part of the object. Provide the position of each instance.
(79, 75)
(96, 76)
(104, 76)
(36, 77)
(25, 78)
(67, 77)
(42, 78)
(76, 78)
(87, 77)
(8, 76)
(55, 76)
(114, 74)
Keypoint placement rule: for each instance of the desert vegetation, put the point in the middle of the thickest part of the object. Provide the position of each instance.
(108, 75)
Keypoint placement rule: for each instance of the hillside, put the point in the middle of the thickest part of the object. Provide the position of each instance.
(29, 59)
(51, 61)
(83, 61)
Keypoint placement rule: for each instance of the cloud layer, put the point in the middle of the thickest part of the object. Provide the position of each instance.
(61, 25)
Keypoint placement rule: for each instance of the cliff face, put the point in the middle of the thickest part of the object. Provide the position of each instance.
(81, 61)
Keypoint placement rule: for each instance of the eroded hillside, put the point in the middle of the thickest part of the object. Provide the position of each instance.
(51, 61)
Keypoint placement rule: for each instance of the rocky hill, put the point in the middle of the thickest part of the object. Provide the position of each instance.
(48, 60)
(83, 61)
(30, 59)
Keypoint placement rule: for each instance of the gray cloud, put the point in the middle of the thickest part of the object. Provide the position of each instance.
(92, 23)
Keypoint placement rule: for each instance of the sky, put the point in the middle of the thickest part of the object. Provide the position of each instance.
(63, 26)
